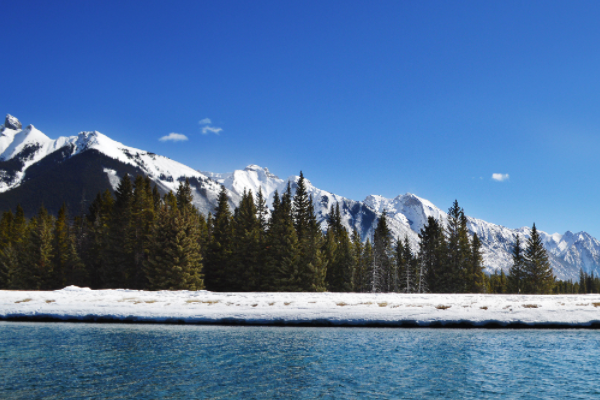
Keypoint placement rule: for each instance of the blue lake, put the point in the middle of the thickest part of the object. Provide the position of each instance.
(117, 361)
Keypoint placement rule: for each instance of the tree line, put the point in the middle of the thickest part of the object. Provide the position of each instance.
(139, 239)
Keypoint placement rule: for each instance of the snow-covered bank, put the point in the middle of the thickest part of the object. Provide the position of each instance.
(319, 309)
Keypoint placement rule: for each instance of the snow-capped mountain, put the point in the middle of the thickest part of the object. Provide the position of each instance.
(407, 214)
(28, 158)
(36, 170)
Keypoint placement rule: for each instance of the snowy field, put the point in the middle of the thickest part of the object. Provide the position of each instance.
(316, 309)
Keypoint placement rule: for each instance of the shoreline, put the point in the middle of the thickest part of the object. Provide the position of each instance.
(375, 310)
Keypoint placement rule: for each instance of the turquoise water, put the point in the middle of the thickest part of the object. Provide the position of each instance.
(111, 361)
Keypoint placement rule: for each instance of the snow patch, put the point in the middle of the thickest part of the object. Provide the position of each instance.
(342, 309)
(112, 178)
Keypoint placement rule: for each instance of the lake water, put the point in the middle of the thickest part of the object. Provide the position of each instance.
(112, 361)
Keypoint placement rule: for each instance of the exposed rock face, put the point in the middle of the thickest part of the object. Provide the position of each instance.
(12, 123)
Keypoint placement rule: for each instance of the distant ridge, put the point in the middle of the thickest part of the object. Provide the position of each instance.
(36, 170)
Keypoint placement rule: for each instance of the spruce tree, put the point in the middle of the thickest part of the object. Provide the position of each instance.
(36, 268)
(516, 274)
(453, 278)
(143, 217)
(174, 260)
(539, 278)
(246, 258)
(283, 257)
(476, 277)
(383, 268)
(407, 268)
(218, 263)
(5, 248)
(118, 261)
(432, 254)
(357, 254)
(339, 253)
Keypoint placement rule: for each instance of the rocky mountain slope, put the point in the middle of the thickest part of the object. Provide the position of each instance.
(36, 170)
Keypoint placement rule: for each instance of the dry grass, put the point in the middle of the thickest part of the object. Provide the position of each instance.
(414, 305)
(150, 301)
(484, 307)
(22, 301)
(383, 304)
(254, 305)
(287, 303)
(272, 303)
(596, 304)
(209, 302)
(583, 304)
(134, 299)
(50, 301)
(442, 307)
(530, 306)
(342, 304)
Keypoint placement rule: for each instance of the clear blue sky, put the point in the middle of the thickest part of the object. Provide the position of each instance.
(370, 97)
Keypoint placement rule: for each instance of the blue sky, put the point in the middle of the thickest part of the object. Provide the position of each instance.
(384, 97)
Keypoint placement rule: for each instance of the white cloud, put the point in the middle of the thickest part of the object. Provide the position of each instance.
(211, 129)
(205, 121)
(500, 177)
(175, 137)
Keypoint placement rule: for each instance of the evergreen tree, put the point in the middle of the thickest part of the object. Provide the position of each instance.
(118, 260)
(36, 268)
(218, 264)
(538, 273)
(5, 247)
(359, 278)
(432, 256)
(453, 278)
(475, 277)
(383, 268)
(93, 242)
(247, 251)
(174, 260)
(339, 253)
(142, 222)
(516, 274)
(407, 267)
(283, 257)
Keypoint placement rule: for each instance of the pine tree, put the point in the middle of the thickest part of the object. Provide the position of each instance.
(5, 248)
(476, 277)
(453, 278)
(218, 263)
(118, 261)
(339, 253)
(516, 274)
(174, 259)
(284, 253)
(407, 267)
(383, 268)
(36, 268)
(432, 256)
(247, 263)
(93, 242)
(539, 278)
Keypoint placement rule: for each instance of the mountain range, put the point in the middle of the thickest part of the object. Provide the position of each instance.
(36, 170)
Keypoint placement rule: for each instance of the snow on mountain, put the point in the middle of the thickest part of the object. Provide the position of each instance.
(22, 149)
(28, 146)
(407, 214)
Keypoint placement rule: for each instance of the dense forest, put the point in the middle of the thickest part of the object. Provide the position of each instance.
(139, 239)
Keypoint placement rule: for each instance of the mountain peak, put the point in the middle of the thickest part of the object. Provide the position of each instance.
(257, 168)
(13, 123)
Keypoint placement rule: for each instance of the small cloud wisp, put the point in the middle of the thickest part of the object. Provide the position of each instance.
(211, 129)
(174, 137)
(500, 177)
